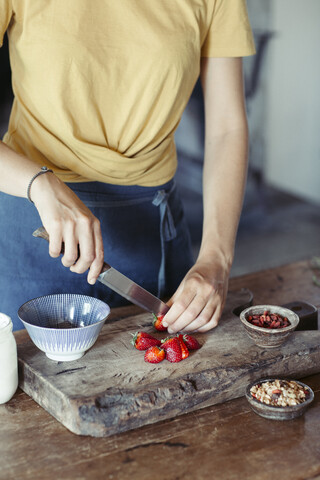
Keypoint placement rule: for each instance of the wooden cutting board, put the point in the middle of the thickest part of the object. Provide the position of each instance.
(111, 389)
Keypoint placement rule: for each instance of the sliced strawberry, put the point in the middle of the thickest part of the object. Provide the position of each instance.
(157, 323)
(191, 342)
(165, 342)
(184, 349)
(173, 349)
(154, 355)
(142, 341)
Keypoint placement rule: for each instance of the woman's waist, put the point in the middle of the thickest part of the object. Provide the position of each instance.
(125, 191)
(76, 160)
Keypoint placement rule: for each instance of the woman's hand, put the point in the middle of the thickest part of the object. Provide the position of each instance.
(199, 300)
(67, 220)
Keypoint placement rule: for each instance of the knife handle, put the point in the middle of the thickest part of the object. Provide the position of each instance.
(41, 232)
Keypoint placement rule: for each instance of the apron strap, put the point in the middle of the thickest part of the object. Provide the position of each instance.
(167, 231)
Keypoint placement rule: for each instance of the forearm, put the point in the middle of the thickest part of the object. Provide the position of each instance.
(225, 162)
(224, 177)
(15, 171)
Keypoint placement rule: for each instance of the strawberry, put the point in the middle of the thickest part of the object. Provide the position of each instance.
(154, 354)
(184, 349)
(142, 340)
(157, 323)
(191, 342)
(173, 349)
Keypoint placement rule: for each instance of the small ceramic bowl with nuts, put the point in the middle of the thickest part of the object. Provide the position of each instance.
(269, 326)
(279, 399)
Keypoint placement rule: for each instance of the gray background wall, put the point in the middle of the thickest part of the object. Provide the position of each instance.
(293, 98)
(283, 102)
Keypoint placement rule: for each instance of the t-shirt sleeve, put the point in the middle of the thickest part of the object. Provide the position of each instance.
(5, 17)
(229, 34)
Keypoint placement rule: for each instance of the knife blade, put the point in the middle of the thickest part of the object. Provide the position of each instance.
(122, 285)
(130, 290)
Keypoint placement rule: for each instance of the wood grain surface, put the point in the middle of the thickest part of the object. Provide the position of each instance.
(111, 389)
(226, 441)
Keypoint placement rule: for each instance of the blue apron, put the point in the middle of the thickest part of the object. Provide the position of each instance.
(145, 237)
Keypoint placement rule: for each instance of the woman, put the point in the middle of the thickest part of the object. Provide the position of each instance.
(99, 93)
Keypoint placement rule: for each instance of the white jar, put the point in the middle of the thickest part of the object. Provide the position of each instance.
(8, 360)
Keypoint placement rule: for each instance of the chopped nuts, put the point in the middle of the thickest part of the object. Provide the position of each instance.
(280, 393)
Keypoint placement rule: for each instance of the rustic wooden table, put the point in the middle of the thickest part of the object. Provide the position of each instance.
(226, 441)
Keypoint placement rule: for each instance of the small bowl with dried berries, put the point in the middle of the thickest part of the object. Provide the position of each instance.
(279, 399)
(269, 326)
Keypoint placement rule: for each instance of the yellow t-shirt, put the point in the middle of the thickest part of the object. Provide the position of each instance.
(100, 86)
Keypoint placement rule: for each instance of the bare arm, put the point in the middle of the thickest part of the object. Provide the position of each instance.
(199, 300)
(62, 213)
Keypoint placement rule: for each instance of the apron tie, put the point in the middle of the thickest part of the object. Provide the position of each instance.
(167, 232)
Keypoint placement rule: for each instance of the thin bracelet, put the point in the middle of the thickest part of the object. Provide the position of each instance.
(43, 170)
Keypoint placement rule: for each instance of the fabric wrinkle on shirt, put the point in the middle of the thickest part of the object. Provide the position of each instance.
(100, 87)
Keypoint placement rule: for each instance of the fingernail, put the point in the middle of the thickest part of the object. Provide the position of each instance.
(92, 281)
(164, 324)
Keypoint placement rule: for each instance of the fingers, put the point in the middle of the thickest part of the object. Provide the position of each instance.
(85, 254)
(83, 246)
(183, 312)
(70, 245)
(71, 224)
(90, 250)
(197, 305)
(206, 321)
(96, 265)
(55, 241)
(200, 315)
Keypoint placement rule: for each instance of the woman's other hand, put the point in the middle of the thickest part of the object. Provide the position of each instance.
(199, 300)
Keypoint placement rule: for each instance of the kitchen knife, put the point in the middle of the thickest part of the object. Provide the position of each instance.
(122, 285)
